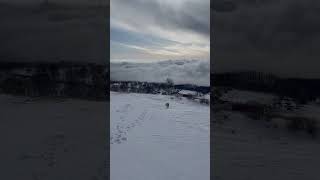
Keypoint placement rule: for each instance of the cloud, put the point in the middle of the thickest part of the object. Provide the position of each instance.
(223, 6)
(188, 16)
(261, 33)
(32, 33)
(87, 2)
(180, 71)
(182, 24)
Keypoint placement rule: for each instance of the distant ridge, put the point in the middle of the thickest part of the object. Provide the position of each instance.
(59, 79)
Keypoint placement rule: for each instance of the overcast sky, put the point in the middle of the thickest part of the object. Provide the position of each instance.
(150, 30)
(95, 2)
(35, 33)
(277, 36)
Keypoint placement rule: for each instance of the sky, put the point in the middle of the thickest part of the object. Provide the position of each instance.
(153, 30)
(94, 2)
(274, 36)
(32, 33)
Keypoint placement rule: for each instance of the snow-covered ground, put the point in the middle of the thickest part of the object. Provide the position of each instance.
(151, 142)
(52, 138)
(248, 149)
(245, 148)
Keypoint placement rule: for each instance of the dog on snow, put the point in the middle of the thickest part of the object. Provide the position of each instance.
(167, 105)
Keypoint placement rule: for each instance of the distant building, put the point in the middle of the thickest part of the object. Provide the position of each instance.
(205, 99)
(188, 94)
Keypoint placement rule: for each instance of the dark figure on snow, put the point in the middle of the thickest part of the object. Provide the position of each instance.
(167, 105)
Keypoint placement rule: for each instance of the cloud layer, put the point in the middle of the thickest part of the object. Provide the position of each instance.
(279, 36)
(181, 72)
(160, 29)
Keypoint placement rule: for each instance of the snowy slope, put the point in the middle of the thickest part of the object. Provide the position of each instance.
(150, 142)
(52, 138)
(256, 149)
